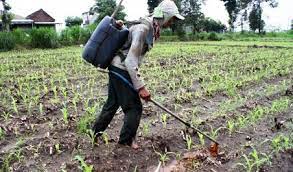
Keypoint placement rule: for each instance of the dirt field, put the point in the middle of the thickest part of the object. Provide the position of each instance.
(240, 93)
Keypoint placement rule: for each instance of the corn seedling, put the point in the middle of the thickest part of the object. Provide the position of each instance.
(254, 161)
(164, 118)
(163, 157)
(2, 133)
(188, 142)
(146, 128)
(57, 148)
(65, 115)
(41, 109)
(231, 126)
(201, 139)
(6, 115)
(83, 165)
(105, 137)
(92, 136)
(14, 105)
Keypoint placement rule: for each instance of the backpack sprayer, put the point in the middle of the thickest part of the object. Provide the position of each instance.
(102, 46)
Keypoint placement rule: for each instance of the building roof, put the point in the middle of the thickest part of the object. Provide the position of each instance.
(18, 17)
(40, 16)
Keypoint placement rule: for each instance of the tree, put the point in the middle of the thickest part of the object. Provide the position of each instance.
(255, 21)
(6, 16)
(210, 25)
(243, 11)
(232, 7)
(177, 27)
(107, 7)
(256, 11)
(73, 21)
(152, 5)
(191, 10)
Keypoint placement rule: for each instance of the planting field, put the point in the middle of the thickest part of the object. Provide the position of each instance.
(240, 93)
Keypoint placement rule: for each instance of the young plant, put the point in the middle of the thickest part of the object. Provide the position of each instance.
(230, 126)
(14, 105)
(164, 118)
(188, 142)
(146, 128)
(92, 136)
(253, 162)
(65, 114)
(2, 133)
(214, 133)
(41, 109)
(57, 148)
(6, 115)
(201, 139)
(105, 137)
(83, 165)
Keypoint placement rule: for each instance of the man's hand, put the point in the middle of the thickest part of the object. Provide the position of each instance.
(119, 23)
(144, 94)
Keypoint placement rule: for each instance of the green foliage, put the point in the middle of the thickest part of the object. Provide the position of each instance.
(75, 35)
(191, 10)
(73, 21)
(6, 17)
(7, 41)
(210, 25)
(255, 20)
(232, 9)
(213, 37)
(21, 37)
(152, 4)
(44, 38)
(107, 7)
(83, 165)
(65, 37)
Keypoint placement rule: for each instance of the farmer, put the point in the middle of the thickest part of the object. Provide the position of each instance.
(126, 63)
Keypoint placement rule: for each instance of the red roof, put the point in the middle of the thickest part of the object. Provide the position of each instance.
(40, 16)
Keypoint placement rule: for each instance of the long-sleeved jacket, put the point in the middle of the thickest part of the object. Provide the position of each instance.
(139, 41)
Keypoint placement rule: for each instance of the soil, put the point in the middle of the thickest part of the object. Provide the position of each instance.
(42, 133)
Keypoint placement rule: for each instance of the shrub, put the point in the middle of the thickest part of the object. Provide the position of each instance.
(213, 37)
(65, 37)
(44, 38)
(7, 41)
(85, 34)
(75, 35)
(75, 32)
(21, 37)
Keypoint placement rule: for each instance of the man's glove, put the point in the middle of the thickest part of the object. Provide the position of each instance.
(144, 94)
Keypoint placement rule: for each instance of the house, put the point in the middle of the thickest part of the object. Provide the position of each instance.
(89, 18)
(37, 19)
(42, 19)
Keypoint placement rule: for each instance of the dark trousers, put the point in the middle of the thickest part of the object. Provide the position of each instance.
(119, 94)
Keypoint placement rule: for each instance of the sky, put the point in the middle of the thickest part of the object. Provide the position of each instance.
(278, 18)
